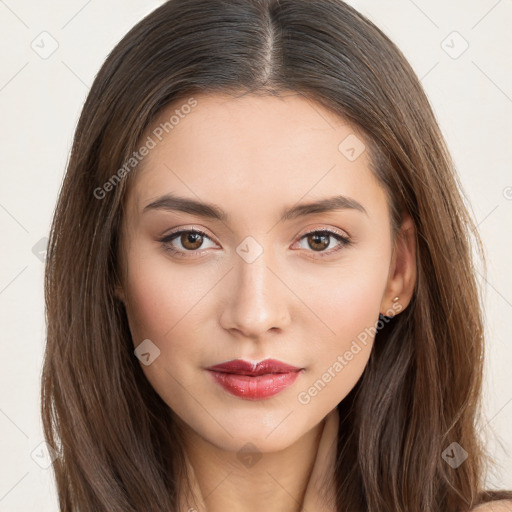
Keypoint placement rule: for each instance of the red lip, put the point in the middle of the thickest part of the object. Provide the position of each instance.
(254, 382)
(241, 367)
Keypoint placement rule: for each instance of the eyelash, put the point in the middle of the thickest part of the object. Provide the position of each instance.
(343, 242)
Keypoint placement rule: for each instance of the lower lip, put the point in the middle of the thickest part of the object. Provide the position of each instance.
(255, 388)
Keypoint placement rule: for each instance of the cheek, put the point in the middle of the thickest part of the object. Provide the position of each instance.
(169, 306)
(161, 306)
(346, 321)
(159, 298)
(348, 300)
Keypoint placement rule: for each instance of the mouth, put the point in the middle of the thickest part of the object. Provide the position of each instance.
(254, 381)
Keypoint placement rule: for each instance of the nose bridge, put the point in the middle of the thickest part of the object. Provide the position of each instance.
(256, 300)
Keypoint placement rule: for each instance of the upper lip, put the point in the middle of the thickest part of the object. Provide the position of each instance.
(241, 367)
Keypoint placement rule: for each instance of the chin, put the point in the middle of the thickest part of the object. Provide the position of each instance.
(267, 431)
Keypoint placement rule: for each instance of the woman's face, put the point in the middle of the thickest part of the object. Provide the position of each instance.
(266, 277)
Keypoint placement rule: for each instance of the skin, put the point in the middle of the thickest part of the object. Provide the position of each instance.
(495, 506)
(253, 157)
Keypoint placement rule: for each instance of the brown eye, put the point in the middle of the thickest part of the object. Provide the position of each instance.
(324, 242)
(187, 242)
(191, 240)
(319, 241)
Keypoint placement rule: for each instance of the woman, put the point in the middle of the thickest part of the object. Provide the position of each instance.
(259, 282)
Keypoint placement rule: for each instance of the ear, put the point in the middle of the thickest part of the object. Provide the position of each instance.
(402, 271)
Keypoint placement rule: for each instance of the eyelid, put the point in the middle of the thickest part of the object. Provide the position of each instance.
(306, 231)
(187, 229)
(317, 229)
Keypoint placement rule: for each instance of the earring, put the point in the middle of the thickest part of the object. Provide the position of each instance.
(382, 316)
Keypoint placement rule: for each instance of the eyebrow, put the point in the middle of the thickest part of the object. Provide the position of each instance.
(170, 202)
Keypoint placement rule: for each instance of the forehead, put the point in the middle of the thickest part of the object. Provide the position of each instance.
(253, 150)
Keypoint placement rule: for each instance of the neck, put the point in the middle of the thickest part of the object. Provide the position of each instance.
(250, 482)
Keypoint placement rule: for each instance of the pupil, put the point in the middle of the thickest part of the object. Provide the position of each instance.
(191, 240)
(322, 240)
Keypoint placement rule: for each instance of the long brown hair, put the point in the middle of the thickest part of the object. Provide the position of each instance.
(117, 444)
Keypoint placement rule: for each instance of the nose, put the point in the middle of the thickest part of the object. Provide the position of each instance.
(256, 299)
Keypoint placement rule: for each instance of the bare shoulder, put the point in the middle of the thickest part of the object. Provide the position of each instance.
(494, 506)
